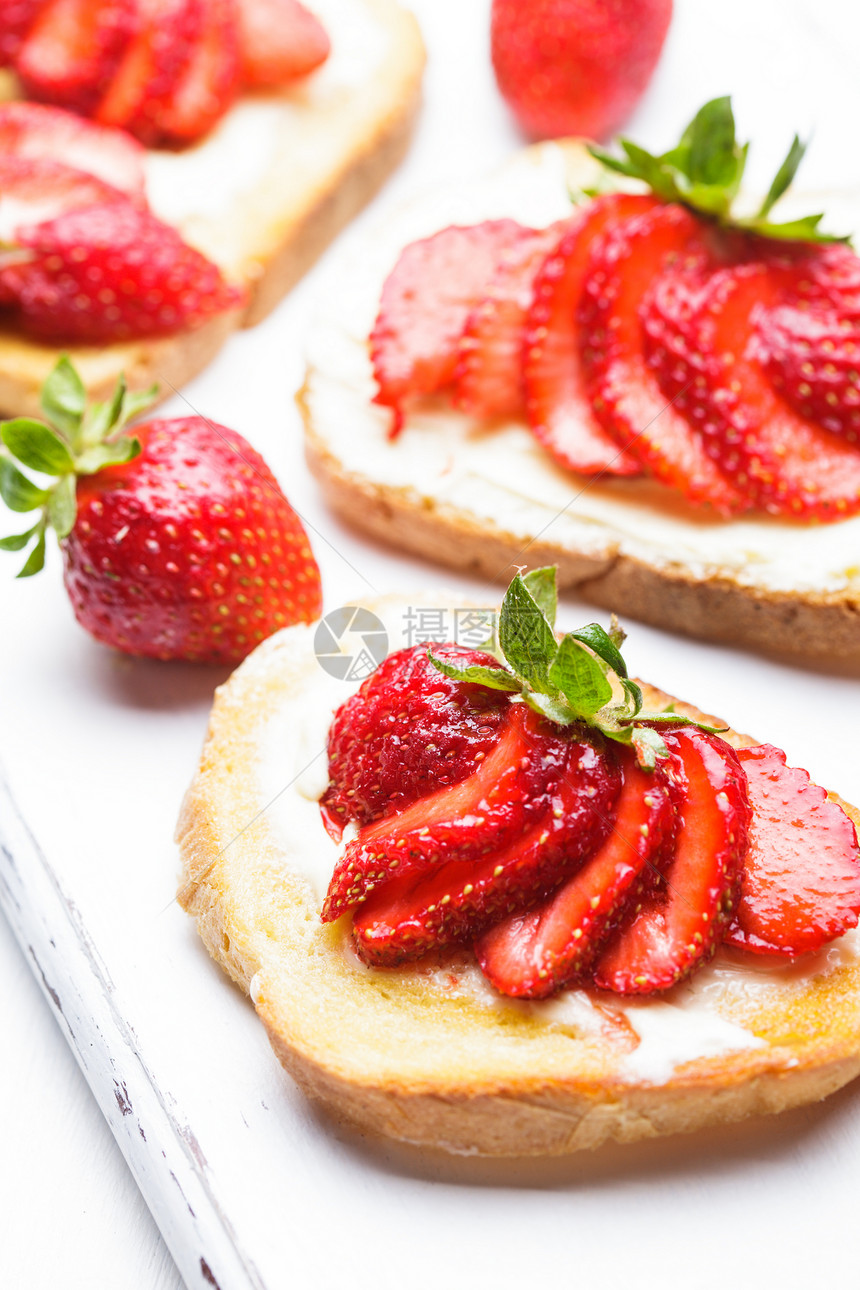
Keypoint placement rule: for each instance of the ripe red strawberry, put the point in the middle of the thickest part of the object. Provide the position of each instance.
(509, 791)
(675, 929)
(209, 84)
(16, 19)
(575, 66)
(154, 61)
(558, 405)
(813, 359)
(72, 50)
(177, 542)
(111, 272)
(533, 954)
(409, 730)
(279, 40)
(457, 899)
(800, 885)
(787, 464)
(426, 301)
(489, 380)
(33, 132)
(625, 394)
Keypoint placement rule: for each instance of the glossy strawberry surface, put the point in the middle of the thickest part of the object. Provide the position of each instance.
(509, 792)
(679, 925)
(559, 407)
(535, 953)
(190, 550)
(455, 899)
(575, 67)
(801, 879)
(426, 302)
(408, 731)
(112, 271)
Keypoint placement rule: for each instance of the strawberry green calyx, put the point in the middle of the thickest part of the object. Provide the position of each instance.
(73, 440)
(704, 172)
(568, 680)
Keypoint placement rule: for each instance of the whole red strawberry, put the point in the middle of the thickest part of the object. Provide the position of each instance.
(575, 66)
(177, 540)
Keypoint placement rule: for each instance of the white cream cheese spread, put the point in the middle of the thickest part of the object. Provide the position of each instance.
(497, 473)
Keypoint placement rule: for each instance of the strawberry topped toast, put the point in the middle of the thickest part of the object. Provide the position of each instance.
(183, 167)
(652, 389)
(509, 901)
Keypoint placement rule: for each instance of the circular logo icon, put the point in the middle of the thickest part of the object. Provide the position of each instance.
(350, 643)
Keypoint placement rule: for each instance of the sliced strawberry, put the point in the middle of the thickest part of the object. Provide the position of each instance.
(489, 380)
(110, 272)
(209, 83)
(73, 49)
(678, 927)
(558, 405)
(426, 301)
(509, 791)
(279, 40)
(32, 192)
(800, 885)
(788, 464)
(16, 19)
(531, 955)
(626, 397)
(813, 359)
(34, 132)
(458, 899)
(156, 59)
(408, 730)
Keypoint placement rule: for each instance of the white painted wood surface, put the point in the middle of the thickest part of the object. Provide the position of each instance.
(98, 749)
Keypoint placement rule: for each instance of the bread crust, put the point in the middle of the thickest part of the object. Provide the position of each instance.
(814, 629)
(395, 1057)
(274, 254)
(812, 626)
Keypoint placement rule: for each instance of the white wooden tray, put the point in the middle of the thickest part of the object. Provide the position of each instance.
(250, 1185)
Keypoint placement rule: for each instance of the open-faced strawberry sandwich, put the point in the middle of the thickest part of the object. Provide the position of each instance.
(655, 387)
(168, 171)
(500, 898)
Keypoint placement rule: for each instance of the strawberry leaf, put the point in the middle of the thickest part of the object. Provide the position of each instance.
(17, 541)
(649, 746)
(35, 561)
(37, 445)
(704, 172)
(17, 491)
(525, 636)
(63, 507)
(580, 678)
(496, 678)
(64, 399)
(541, 584)
(113, 453)
(602, 644)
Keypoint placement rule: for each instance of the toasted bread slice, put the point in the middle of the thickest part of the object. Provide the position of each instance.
(483, 497)
(432, 1055)
(264, 193)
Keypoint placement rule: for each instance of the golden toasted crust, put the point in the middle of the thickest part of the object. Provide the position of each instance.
(394, 1054)
(269, 240)
(664, 577)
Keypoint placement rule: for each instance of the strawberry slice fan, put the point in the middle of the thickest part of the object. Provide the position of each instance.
(165, 70)
(577, 838)
(653, 333)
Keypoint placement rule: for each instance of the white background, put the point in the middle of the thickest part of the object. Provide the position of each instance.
(777, 1197)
